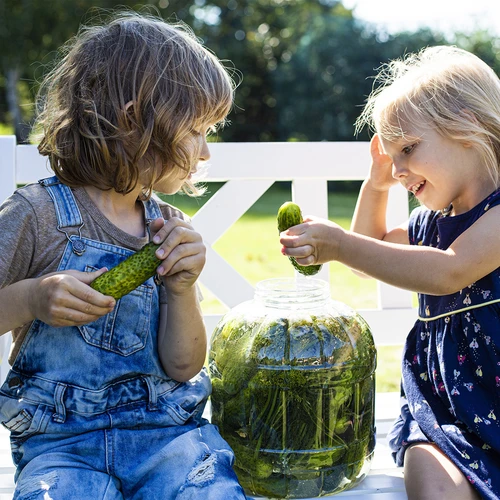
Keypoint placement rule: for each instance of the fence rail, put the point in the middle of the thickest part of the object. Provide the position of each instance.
(248, 170)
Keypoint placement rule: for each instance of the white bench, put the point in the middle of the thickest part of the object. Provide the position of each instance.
(248, 170)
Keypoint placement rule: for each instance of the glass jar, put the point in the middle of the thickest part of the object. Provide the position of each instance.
(293, 375)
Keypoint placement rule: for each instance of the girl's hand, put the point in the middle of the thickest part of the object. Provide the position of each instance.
(315, 241)
(182, 251)
(66, 299)
(380, 177)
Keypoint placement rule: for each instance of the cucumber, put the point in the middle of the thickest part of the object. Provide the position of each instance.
(129, 274)
(289, 214)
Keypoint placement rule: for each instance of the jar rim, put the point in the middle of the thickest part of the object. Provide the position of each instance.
(303, 292)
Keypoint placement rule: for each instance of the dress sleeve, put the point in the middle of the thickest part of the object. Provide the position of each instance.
(18, 227)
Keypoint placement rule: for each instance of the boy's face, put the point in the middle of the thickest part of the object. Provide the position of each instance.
(173, 181)
(437, 170)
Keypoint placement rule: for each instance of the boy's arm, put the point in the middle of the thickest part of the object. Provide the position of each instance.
(182, 342)
(14, 305)
(58, 299)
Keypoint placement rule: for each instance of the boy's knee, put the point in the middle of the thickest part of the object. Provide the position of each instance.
(36, 486)
(203, 472)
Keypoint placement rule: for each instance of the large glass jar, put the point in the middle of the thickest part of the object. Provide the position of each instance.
(293, 390)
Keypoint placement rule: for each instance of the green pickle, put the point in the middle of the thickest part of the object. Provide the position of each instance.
(293, 375)
(289, 214)
(128, 274)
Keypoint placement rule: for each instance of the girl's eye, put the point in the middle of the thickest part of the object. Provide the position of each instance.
(408, 149)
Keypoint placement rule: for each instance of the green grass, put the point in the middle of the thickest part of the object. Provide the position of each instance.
(252, 247)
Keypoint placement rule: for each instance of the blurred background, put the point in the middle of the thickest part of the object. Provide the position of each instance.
(304, 66)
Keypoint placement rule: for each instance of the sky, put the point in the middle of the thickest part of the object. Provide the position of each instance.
(447, 16)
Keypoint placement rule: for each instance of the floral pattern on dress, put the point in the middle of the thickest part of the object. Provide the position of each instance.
(451, 364)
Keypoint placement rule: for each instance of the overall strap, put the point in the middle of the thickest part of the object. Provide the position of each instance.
(67, 211)
(152, 210)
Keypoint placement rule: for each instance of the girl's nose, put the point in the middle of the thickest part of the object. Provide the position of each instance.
(399, 170)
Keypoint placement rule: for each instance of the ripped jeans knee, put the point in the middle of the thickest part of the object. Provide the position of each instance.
(37, 486)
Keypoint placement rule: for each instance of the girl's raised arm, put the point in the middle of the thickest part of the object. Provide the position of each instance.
(369, 216)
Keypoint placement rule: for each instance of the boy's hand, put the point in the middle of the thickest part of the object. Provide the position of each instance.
(182, 251)
(65, 298)
(380, 177)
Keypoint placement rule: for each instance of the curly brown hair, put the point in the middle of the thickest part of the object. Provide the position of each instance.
(134, 88)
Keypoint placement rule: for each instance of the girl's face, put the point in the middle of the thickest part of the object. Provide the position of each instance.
(173, 181)
(439, 171)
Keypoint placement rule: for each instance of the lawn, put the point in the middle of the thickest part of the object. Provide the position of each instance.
(251, 246)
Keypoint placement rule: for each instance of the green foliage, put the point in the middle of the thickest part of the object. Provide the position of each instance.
(303, 66)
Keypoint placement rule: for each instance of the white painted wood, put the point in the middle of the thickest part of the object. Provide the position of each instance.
(7, 165)
(30, 165)
(289, 160)
(397, 214)
(250, 169)
(224, 281)
(230, 202)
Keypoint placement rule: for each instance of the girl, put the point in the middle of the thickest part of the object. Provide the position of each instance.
(437, 122)
(105, 398)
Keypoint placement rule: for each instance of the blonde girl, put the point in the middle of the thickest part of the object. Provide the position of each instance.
(436, 115)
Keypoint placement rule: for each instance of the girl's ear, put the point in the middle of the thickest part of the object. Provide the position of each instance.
(469, 116)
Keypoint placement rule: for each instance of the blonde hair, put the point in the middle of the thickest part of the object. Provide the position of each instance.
(443, 88)
(134, 88)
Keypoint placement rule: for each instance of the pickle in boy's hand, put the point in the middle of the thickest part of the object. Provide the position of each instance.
(129, 274)
(289, 214)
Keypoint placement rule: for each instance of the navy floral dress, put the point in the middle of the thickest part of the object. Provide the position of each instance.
(451, 364)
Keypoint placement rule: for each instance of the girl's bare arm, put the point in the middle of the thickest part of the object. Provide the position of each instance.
(417, 268)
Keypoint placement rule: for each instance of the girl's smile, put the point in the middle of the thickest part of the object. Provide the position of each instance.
(439, 171)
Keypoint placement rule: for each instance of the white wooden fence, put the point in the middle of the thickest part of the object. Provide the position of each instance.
(248, 170)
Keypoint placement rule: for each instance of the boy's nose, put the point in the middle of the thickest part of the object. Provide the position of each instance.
(205, 152)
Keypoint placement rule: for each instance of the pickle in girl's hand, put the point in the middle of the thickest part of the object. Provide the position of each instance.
(289, 214)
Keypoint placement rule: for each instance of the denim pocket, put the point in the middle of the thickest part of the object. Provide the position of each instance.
(26, 422)
(125, 329)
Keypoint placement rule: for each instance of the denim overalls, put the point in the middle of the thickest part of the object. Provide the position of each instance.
(92, 413)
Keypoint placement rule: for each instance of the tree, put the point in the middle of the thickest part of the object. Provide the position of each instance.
(31, 31)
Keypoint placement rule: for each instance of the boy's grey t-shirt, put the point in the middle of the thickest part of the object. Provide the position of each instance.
(31, 245)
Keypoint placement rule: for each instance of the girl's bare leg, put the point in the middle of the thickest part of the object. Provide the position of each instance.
(431, 475)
